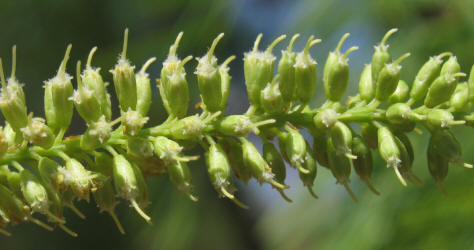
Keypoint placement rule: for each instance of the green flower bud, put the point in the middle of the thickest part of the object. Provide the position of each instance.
(258, 69)
(460, 99)
(180, 176)
(78, 178)
(234, 153)
(340, 167)
(341, 137)
(271, 98)
(448, 146)
(381, 55)
(144, 88)
(36, 195)
(139, 147)
(295, 148)
(48, 172)
(124, 79)
(12, 99)
(209, 78)
(167, 150)
(440, 118)
(92, 80)
(363, 165)
(366, 84)
(309, 163)
(400, 94)
(369, 134)
(336, 71)
(190, 127)
(325, 119)
(425, 76)
(401, 114)
(240, 125)
(57, 103)
(132, 122)
(173, 85)
(38, 133)
(86, 100)
(389, 151)
(257, 165)
(219, 170)
(286, 71)
(96, 134)
(320, 149)
(305, 73)
(388, 78)
(127, 183)
(442, 89)
(437, 165)
(225, 82)
(451, 66)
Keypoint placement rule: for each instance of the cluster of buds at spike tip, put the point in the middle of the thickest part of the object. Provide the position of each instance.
(44, 172)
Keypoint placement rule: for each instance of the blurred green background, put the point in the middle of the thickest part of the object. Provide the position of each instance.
(401, 218)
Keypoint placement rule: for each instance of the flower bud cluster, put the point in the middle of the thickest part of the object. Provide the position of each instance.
(43, 172)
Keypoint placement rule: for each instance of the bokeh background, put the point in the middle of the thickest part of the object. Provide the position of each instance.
(401, 218)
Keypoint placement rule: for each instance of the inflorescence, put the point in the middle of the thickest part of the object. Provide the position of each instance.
(42, 171)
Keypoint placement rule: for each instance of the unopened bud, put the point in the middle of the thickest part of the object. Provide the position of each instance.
(78, 178)
(400, 94)
(336, 72)
(57, 102)
(258, 69)
(440, 118)
(366, 84)
(132, 122)
(12, 100)
(286, 70)
(124, 79)
(388, 78)
(451, 66)
(305, 73)
(96, 134)
(144, 89)
(38, 133)
(271, 98)
(381, 55)
(460, 99)
(442, 89)
(173, 85)
(426, 75)
(209, 79)
(92, 80)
